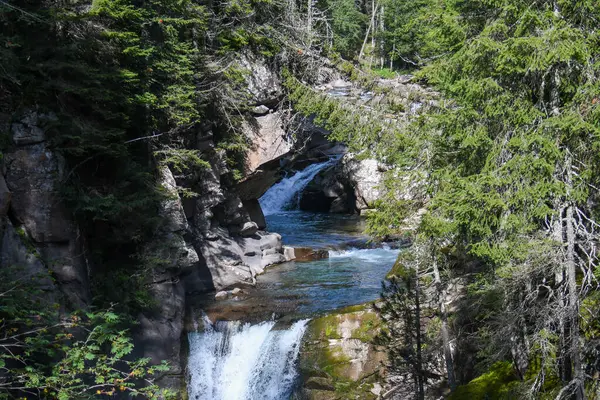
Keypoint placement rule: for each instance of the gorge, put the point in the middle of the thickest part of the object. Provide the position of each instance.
(299, 199)
(258, 359)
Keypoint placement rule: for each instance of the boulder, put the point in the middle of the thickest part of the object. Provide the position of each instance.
(289, 253)
(248, 229)
(262, 83)
(271, 240)
(340, 83)
(261, 110)
(366, 177)
(271, 259)
(308, 254)
(222, 295)
(350, 186)
(231, 213)
(237, 260)
(339, 348)
(255, 213)
(268, 140)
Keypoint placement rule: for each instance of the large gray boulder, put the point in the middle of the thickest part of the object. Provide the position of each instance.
(238, 260)
(365, 176)
(352, 185)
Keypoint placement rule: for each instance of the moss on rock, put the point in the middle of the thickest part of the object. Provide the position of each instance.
(338, 353)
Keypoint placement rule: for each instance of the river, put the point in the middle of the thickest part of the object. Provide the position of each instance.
(250, 352)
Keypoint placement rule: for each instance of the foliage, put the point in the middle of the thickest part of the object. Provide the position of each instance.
(50, 354)
(496, 384)
(348, 24)
(403, 311)
(121, 79)
(505, 168)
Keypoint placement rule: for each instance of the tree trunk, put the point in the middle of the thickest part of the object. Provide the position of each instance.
(441, 295)
(382, 39)
(362, 48)
(373, 11)
(573, 309)
(309, 22)
(419, 366)
(573, 297)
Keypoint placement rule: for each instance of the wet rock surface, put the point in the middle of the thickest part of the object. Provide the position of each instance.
(338, 358)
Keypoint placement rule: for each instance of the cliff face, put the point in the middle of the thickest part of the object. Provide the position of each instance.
(38, 233)
(208, 242)
(214, 240)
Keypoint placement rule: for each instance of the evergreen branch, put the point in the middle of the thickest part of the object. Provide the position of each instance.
(24, 12)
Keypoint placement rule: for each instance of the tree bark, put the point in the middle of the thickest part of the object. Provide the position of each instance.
(441, 295)
(373, 11)
(573, 296)
(420, 374)
(382, 39)
(362, 49)
(309, 21)
(573, 309)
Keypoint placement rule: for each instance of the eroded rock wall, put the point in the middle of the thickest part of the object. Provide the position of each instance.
(39, 235)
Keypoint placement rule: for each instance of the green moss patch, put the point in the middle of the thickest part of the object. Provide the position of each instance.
(327, 353)
(497, 384)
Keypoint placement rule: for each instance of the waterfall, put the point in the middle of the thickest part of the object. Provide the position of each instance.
(280, 195)
(235, 361)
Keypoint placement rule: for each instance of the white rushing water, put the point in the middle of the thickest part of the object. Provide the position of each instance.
(235, 361)
(279, 197)
(379, 254)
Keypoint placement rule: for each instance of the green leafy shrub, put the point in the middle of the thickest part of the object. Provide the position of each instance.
(47, 353)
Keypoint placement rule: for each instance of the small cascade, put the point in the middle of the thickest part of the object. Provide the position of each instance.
(280, 196)
(384, 253)
(235, 361)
